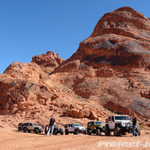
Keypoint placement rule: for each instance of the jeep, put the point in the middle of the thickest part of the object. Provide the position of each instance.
(28, 127)
(56, 130)
(95, 127)
(119, 124)
(74, 128)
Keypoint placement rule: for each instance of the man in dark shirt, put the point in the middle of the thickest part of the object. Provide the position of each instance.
(51, 125)
(134, 126)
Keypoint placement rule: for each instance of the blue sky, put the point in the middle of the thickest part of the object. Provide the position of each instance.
(33, 27)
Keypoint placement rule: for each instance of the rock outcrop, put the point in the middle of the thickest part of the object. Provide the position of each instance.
(48, 61)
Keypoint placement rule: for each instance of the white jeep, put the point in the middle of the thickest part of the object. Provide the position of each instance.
(75, 128)
(119, 124)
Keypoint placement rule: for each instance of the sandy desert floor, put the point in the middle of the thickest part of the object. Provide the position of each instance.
(11, 139)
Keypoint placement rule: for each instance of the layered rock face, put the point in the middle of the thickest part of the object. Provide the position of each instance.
(109, 73)
(120, 38)
(23, 85)
(113, 63)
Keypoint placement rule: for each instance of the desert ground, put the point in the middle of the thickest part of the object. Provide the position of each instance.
(11, 139)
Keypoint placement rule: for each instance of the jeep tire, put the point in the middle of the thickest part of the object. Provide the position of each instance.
(76, 131)
(89, 131)
(107, 130)
(19, 129)
(66, 132)
(117, 131)
(36, 131)
(124, 133)
(29, 131)
(25, 130)
(98, 132)
(55, 132)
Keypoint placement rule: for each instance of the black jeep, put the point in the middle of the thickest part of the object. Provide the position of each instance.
(55, 131)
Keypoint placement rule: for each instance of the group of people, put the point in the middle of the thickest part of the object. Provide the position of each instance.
(52, 121)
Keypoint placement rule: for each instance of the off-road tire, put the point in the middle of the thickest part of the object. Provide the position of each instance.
(25, 130)
(19, 129)
(84, 132)
(117, 131)
(61, 133)
(66, 132)
(124, 133)
(98, 132)
(76, 131)
(107, 131)
(55, 132)
(89, 131)
(29, 131)
(36, 131)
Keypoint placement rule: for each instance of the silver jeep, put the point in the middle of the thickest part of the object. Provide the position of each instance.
(28, 127)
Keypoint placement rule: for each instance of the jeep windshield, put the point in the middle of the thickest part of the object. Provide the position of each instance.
(97, 122)
(121, 118)
(34, 124)
(55, 126)
(78, 124)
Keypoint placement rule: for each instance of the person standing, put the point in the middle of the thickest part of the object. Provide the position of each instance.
(51, 125)
(134, 126)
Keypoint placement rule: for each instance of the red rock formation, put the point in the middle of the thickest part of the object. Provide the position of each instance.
(120, 38)
(93, 82)
(48, 61)
(118, 50)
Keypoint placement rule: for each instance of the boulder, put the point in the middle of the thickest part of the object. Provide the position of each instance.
(93, 115)
(81, 114)
(75, 113)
